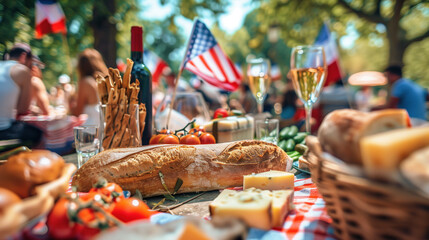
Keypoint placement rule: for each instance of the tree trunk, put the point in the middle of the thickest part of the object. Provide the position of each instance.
(104, 30)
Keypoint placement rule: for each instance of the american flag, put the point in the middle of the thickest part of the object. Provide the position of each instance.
(205, 58)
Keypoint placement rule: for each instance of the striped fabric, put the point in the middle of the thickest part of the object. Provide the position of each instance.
(206, 59)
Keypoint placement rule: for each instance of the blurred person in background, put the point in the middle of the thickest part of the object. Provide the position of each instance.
(405, 94)
(90, 63)
(246, 101)
(15, 96)
(40, 97)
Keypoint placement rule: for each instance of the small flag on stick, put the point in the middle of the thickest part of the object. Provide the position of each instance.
(205, 58)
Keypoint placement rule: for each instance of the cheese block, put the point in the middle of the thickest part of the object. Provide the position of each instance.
(251, 205)
(257, 208)
(281, 204)
(233, 128)
(271, 180)
(382, 153)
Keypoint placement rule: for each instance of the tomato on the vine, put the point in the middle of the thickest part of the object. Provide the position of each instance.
(155, 139)
(169, 139)
(58, 221)
(190, 140)
(131, 209)
(207, 138)
(109, 189)
(197, 131)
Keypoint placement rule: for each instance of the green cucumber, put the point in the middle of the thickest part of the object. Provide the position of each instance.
(293, 130)
(290, 145)
(283, 133)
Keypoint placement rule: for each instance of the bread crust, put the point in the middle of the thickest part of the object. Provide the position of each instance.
(341, 130)
(201, 167)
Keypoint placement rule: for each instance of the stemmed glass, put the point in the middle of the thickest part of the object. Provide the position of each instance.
(308, 68)
(258, 72)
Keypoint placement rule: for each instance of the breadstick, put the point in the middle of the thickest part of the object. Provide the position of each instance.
(142, 117)
(102, 89)
(118, 137)
(133, 123)
(127, 74)
(116, 76)
(107, 141)
(109, 81)
(121, 110)
(126, 139)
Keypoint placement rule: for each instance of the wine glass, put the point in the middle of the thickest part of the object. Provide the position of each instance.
(308, 69)
(258, 72)
(187, 107)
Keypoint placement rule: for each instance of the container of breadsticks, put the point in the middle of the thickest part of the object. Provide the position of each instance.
(122, 117)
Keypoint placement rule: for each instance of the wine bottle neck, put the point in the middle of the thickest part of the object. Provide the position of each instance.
(137, 56)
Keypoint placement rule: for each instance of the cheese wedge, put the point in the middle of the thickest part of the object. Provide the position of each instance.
(281, 204)
(382, 153)
(271, 180)
(251, 205)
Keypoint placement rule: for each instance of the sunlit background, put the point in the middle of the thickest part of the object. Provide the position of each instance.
(242, 27)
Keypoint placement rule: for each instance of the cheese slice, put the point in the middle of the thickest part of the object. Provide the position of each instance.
(382, 153)
(251, 205)
(271, 180)
(281, 204)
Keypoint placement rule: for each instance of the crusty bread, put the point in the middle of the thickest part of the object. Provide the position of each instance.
(415, 169)
(24, 171)
(341, 130)
(201, 167)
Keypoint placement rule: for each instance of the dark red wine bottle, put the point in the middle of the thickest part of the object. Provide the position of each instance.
(142, 73)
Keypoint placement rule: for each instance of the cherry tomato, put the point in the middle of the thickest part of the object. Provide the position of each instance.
(110, 189)
(155, 139)
(190, 140)
(87, 215)
(220, 113)
(207, 138)
(197, 131)
(131, 209)
(58, 221)
(169, 139)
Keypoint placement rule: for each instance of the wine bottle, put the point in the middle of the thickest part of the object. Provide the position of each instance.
(142, 73)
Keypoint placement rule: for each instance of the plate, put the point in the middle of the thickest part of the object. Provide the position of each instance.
(296, 166)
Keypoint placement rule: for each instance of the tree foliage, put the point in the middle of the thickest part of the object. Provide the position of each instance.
(386, 29)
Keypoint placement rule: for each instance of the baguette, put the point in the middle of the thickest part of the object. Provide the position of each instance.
(201, 167)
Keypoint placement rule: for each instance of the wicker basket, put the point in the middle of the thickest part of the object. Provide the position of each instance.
(364, 209)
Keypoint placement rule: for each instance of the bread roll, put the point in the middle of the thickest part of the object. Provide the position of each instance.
(415, 169)
(22, 172)
(341, 130)
(201, 167)
(7, 198)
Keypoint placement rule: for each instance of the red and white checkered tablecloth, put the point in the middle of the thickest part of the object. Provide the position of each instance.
(309, 220)
(57, 131)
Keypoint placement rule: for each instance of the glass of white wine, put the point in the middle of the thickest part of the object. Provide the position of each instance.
(258, 72)
(308, 68)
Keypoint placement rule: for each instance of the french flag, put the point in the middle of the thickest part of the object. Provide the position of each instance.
(155, 64)
(50, 18)
(326, 40)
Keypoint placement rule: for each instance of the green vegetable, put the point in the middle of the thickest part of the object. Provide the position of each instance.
(282, 145)
(295, 158)
(14, 151)
(300, 137)
(273, 133)
(292, 131)
(294, 153)
(301, 148)
(283, 133)
(290, 145)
